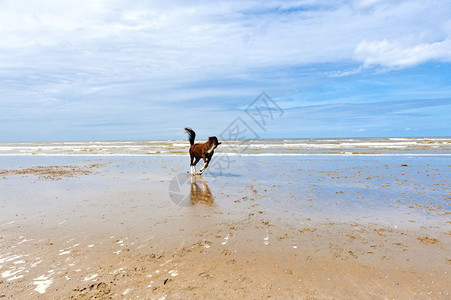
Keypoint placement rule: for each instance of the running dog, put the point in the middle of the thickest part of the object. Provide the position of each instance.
(201, 150)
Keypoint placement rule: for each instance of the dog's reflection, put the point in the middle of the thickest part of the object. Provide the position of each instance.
(200, 194)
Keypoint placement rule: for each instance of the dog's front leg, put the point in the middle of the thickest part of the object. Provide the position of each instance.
(206, 161)
(193, 170)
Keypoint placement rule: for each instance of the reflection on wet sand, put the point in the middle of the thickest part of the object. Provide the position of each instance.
(200, 194)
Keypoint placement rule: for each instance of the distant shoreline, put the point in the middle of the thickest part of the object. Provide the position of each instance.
(265, 139)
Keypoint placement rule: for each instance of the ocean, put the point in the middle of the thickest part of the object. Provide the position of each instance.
(259, 147)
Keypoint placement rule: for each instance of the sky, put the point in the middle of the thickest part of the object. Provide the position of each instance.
(142, 70)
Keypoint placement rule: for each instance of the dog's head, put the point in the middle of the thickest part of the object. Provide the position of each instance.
(214, 140)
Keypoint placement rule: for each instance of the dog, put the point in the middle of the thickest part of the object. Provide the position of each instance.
(201, 150)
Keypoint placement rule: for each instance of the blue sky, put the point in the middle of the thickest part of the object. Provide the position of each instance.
(137, 70)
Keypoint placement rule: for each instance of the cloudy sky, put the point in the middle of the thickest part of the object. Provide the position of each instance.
(133, 70)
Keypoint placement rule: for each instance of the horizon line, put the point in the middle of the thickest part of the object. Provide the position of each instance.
(278, 138)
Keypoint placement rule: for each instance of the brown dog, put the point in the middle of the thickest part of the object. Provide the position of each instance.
(201, 150)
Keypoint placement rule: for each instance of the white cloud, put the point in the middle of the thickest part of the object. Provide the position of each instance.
(151, 39)
(399, 54)
(345, 72)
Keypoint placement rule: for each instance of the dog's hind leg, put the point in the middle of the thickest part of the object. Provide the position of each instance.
(193, 166)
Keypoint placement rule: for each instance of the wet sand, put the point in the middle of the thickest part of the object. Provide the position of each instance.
(297, 227)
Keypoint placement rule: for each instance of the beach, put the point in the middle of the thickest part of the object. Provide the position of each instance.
(361, 224)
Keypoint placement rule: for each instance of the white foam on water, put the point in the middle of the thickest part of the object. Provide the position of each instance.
(226, 239)
(166, 262)
(42, 283)
(126, 292)
(338, 154)
(24, 241)
(9, 223)
(272, 154)
(174, 148)
(34, 264)
(88, 278)
(15, 277)
(11, 272)
(19, 262)
(117, 271)
(9, 258)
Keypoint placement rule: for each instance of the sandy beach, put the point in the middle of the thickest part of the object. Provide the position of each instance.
(311, 227)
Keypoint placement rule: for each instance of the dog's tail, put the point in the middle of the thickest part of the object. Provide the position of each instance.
(192, 135)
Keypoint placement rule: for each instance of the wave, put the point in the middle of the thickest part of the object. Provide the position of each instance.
(292, 147)
(236, 154)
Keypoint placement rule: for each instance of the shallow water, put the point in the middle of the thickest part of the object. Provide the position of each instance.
(388, 190)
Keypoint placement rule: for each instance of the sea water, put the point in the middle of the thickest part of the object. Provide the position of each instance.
(259, 147)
